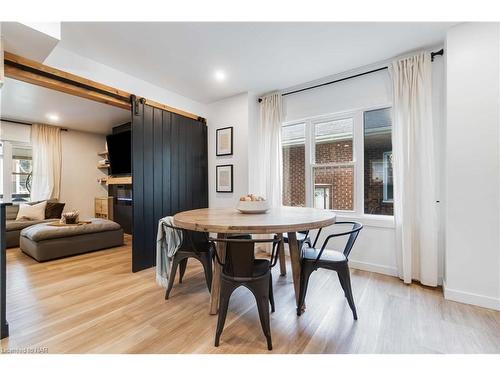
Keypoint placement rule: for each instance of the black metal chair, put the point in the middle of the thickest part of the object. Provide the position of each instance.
(303, 238)
(313, 258)
(241, 268)
(194, 245)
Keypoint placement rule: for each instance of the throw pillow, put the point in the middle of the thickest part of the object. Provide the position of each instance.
(54, 210)
(32, 212)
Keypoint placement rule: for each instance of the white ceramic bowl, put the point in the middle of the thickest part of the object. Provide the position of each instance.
(252, 207)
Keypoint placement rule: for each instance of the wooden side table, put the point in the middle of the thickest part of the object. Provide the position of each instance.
(103, 208)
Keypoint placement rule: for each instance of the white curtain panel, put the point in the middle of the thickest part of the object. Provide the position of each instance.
(269, 151)
(2, 71)
(415, 210)
(46, 143)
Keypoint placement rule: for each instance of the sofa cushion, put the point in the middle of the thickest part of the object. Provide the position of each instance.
(43, 231)
(54, 210)
(32, 212)
(11, 212)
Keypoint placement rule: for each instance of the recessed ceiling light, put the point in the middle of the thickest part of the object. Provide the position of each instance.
(52, 117)
(220, 75)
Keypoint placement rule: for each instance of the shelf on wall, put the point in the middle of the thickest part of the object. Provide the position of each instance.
(103, 153)
(126, 180)
(103, 166)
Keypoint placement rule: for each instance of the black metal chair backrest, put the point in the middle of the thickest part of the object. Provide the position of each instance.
(192, 240)
(240, 255)
(353, 235)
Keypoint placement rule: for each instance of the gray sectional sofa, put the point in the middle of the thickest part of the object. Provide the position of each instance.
(14, 227)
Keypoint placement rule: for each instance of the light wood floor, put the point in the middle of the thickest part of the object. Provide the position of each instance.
(93, 304)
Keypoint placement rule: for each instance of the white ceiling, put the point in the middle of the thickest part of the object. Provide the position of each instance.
(259, 57)
(27, 41)
(26, 102)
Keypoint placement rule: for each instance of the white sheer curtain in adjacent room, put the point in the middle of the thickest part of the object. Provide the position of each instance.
(269, 149)
(46, 144)
(415, 210)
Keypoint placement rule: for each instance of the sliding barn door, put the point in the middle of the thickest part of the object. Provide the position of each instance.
(169, 174)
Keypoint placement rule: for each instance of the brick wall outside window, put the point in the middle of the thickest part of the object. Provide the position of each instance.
(340, 180)
(374, 187)
(294, 176)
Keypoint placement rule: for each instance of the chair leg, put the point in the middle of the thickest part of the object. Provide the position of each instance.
(206, 261)
(282, 258)
(271, 294)
(225, 293)
(342, 283)
(263, 308)
(345, 281)
(171, 279)
(304, 282)
(182, 269)
(226, 289)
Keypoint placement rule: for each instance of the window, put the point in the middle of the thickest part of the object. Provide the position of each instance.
(21, 174)
(293, 140)
(340, 162)
(388, 187)
(322, 196)
(378, 162)
(333, 163)
(15, 158)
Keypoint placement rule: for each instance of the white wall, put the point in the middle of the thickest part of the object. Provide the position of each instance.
(362, 92)
(70, 62)
(233, 111)
(375, 248)
(14, 132)
(473, 164)
(79, 173)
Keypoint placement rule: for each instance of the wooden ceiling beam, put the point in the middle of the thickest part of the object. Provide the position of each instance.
(25, 63)
(33, 78)
(164, 107)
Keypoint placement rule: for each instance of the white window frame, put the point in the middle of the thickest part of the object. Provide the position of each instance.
(385, 162)
(358, 159)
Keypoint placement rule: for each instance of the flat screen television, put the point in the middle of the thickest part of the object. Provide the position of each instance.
(119, 153)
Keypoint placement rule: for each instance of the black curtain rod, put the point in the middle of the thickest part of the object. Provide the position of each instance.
(26, 123)
(433, 54)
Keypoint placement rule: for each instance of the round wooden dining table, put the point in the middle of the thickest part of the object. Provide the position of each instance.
(224, 221)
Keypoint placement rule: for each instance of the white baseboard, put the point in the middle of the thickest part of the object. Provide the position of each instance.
(471, 298)
(373, 267)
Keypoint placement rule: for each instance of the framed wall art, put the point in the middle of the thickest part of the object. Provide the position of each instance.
(224, 178)
(224, 141)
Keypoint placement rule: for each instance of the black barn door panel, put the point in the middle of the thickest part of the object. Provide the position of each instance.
(169, 174)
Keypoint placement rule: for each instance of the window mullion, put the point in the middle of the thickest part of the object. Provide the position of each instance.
(308, 154)
(358, 156)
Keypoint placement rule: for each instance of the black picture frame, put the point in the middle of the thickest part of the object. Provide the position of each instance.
(217, 187)
(217, 151)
